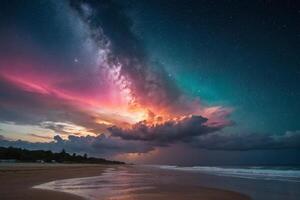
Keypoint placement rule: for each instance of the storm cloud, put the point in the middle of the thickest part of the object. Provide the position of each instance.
(248, 141)
(168, 132)
(100, 145)
(108, 146)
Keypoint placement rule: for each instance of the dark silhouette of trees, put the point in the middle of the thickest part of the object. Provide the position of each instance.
(23, 155)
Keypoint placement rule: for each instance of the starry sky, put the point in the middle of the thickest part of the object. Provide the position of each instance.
(168, 82)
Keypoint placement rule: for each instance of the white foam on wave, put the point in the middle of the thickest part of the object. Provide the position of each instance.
(251, 172)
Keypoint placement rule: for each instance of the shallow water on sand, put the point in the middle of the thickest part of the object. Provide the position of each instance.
(153, 182)
(112, 183)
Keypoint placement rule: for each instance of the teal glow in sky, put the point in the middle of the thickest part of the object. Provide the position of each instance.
(136, 80)
(245, 56)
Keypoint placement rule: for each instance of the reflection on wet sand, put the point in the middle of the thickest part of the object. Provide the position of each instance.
(136, 183)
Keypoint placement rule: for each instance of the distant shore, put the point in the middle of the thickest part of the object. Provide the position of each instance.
(17, 180)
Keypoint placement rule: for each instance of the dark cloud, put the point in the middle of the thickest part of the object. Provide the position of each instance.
(196, 133)
(244, 141)
(93, 145)
(166, 133)
(108, 146)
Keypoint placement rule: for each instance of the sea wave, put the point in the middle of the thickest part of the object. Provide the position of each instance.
(255, 172)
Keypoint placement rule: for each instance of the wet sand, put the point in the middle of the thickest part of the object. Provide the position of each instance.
(17, 180)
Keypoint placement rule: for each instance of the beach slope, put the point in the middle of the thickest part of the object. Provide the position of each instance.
(17, 180)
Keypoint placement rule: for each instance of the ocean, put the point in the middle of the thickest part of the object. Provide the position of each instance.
(280, 173)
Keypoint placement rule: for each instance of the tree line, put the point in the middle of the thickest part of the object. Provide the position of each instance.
(24, 155)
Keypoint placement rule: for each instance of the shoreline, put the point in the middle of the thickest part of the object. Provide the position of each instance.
(17, 182)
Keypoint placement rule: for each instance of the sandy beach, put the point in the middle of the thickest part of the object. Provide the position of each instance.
(17, 180)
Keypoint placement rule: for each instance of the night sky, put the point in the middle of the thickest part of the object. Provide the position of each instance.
(169, 82)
